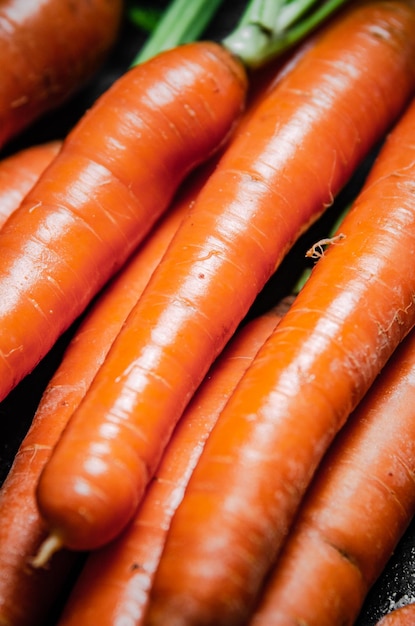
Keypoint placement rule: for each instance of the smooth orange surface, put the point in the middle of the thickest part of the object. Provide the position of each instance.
(351, 314)
(116, 581)
(302, 144)
(20, 171)
(115, 175)
(26, 593)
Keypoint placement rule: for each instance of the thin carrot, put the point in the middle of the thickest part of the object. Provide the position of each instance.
(50, 49)
(26, 594)
(20, 171)
(353, 311)
(115, 174)
(334, 105)
(403, 616)
(115, 583)
(359, 505)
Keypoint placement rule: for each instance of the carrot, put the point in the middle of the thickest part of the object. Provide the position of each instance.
(22, 528)
(20, 171)
(243, 222)
(87, 350)
(50, 49)
(174, 111)
(26, 594)
(403, 616)
(116, 580)
(358, 508)
(353, 311)
(102, 193)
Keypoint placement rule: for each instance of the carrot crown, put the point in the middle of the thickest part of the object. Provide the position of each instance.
(266, 29)
(270, 27)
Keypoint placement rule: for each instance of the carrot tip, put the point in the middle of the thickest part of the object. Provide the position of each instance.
(52, 544)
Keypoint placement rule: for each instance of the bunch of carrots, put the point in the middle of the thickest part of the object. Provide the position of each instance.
(194, 460)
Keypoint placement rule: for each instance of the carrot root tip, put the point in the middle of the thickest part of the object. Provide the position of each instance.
(317, 250)
(52, 544)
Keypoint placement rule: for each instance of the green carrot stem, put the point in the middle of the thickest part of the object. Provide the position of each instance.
(145, 18)
(183, 21)
(270, 27)
(266, 29)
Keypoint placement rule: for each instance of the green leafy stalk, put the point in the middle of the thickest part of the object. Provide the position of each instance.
(145, 18)
(183, 21)
(270, 27)
(266, 29)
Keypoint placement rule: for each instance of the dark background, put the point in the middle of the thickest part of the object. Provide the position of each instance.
(397, 584)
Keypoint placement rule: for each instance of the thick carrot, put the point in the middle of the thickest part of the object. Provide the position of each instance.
(26, 594)
(20, 171)
(19, 538)
(50, 49)
(403, 616)
(310, 133)
(115, 174)
(359, 505)
(78, 189)
(115, 583)
(353, 311)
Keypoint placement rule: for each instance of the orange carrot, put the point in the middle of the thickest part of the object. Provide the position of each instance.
(334, 104)
(115, 174)
(26, 594)
(49, 50)
(403, 616)
(87, 350)
(20, 171)
(115, 582)
(353, 311)
(359, 505)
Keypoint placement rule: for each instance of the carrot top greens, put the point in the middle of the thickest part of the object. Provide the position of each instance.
(181, 22)
(265, 30)
(144, 17)
(269, 27)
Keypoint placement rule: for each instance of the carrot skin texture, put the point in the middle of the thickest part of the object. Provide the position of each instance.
(114, 584)
(358, 508)
(103, 192)
(20, 171)
(25, 592)
(178, 328)
(354, 310)
(50, 50)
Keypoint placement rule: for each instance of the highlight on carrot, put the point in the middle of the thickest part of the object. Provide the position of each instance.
(242, 224)
(102, 193)
(115, 581)
(20, 171)
(26, 594)
(358, 507)
(349, 317)
(50, 49)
